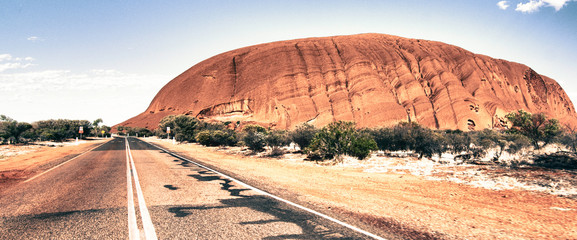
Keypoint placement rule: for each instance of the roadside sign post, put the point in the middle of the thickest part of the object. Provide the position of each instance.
(168, 132)
(81, 131)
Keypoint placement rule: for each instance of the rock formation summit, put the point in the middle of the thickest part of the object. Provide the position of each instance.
(372, 79)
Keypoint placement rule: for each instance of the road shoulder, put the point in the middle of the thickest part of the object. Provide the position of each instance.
(412, 205)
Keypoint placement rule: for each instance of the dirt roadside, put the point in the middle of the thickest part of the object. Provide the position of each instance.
(412, 205)
(22, 162)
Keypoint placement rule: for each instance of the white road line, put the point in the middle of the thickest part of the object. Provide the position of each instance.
(32, 178)
(149, 231)
(276, 197)
(133, 233)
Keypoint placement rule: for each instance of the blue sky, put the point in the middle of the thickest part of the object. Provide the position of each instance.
(107, 59)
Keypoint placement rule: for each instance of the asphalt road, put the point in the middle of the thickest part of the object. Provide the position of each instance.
(90, 198)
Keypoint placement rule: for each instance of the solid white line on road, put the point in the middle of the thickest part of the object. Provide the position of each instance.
(133, 233)
(149, 231)
(276, 197)
(32, 178)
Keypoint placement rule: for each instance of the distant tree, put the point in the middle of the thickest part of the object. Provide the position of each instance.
(537, 127)
(11, 130)
(96, 127)
(61, 129)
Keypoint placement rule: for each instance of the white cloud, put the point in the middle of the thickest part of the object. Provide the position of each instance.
(503, 5)
(557, 4)
(8, 62)
(14, 65)
(531, 6)
(535, 5)
(5, 57)
(34, 39)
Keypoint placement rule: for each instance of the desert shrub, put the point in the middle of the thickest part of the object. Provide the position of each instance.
(458, 141)
(254, 128)
(182, 127)
(361, 146)
(537, 127)
(61, 129)
(277, 139)
(405, 136)
(303, 135)
(12, 130)
(384, 138)
(410, 137)
(428, 142)
(255, 141)
(339, 138)
(516, 143)
(569, 138)
(216, 138)
(254, 137)
(137, 131)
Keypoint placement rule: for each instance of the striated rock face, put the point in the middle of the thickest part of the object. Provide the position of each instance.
(372, 79)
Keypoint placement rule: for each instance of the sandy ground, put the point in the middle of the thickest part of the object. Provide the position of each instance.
(419, 199)
(413, 197)
(23, 161)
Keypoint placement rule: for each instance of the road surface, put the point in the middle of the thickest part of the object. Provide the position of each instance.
(129, 189)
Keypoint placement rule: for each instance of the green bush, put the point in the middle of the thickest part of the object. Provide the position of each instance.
(384, 137)
(216, 138)
(303, 135)
(428, 142)
(255, 141)
(61, 129)
(340, 138)
(569, 139)
(277, 139)
(537, 127)
(458, 141)
(12, 130)
(182, 127)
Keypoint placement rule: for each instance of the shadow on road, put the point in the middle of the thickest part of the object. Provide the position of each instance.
(311, 228)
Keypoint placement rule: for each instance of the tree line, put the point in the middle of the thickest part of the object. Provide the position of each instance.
(527, 131)
(58, 130)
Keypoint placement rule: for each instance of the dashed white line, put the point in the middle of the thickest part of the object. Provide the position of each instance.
(149, 231)
(276, 197)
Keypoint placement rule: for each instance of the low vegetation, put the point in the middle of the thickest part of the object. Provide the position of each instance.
(12, 131)
(527, 132)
